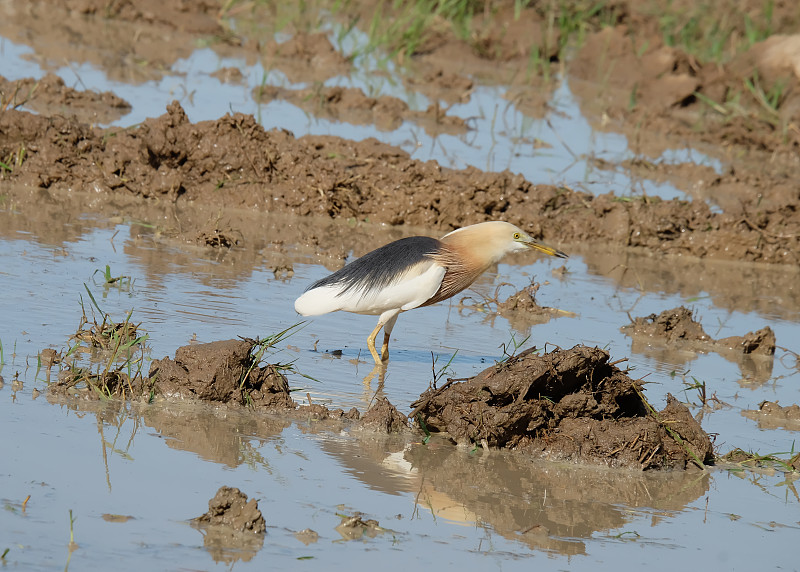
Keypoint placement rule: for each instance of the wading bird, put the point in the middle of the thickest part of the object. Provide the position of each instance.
(414, 272)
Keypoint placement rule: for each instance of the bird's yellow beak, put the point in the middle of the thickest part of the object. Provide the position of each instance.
(535, 245)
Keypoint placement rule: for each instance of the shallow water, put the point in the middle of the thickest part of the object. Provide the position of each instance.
(160, 464)
(442, 506)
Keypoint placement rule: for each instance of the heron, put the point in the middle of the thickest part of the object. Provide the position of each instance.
(414, 272)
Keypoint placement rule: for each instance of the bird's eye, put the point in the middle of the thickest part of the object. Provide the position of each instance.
(517, 236)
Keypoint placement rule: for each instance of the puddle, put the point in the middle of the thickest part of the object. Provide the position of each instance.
(304, 478)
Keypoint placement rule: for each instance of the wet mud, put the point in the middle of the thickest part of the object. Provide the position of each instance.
(233, 528)
(50, 96)
(235, 162)
(565, 405)
(677, 330)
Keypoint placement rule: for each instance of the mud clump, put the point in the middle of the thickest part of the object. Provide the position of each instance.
(521, 308)
(222, 371)
(678, 326)
(230, 508)
(355, 527)
(233, 527)
(566, 405)
(384, 417)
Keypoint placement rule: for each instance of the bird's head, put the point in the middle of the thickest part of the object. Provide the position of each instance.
(490, 241)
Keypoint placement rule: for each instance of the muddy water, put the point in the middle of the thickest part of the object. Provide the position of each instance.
(438, 505)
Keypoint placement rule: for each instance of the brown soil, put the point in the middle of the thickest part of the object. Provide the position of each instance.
(233, 528)
(355, 527)
(677, 326)
(565, 405)
(383, 417)
(49, 96)
(172, 158)
(230, 508)
(676, 332)
(521, 309)
(234, 162)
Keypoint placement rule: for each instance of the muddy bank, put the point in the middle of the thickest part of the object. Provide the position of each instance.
(234, 162)
(565, 405)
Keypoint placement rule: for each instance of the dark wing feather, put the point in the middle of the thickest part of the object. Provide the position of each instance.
(382, 266)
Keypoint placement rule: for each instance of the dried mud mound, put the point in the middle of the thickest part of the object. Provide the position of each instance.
(566, 405)
(234, 162)
(677, 326)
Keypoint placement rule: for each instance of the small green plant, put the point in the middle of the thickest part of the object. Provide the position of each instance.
(424, 428)
(122, 281)
(510, 349)
(437, 375)
(787, 461)
(264, 347)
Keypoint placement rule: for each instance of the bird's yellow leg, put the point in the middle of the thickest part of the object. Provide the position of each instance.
(371, 343)
(387, 331)
(385, 347)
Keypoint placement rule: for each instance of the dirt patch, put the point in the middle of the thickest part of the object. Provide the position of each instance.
(679, 326)
(131, 42)
(565, 405)
(770, 416)
(50, 96)
(233, 162)
(233, 527)
(438, 84)
(228, 75)
(351, 105)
